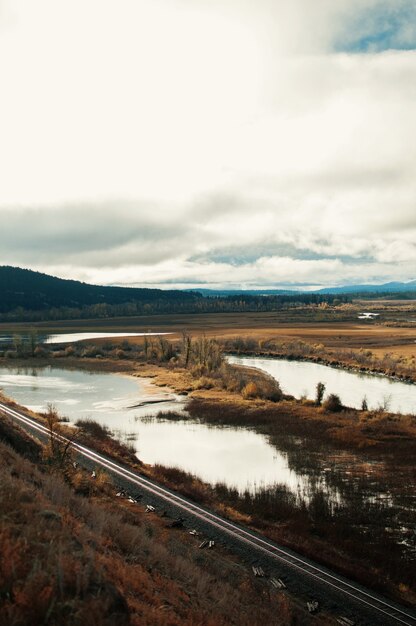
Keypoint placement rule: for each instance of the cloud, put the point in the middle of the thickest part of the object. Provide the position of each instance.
(209, 142)
(114, 234)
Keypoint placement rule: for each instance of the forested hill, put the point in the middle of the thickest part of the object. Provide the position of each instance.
(34, 291)
(30, 296)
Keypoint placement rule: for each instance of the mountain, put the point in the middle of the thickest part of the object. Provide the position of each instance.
(36, 292)
(392, 287)
(224, 293)
(386, 288)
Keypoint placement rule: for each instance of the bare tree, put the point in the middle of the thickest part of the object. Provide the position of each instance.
(320, 390)
(59, 447)
(186, 347)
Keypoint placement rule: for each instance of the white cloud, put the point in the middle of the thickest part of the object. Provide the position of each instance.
(151, 138)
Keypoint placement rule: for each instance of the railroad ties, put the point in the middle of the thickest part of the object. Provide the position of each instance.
(123, 494)
(258, 571)
(277, 583)
(313, 606)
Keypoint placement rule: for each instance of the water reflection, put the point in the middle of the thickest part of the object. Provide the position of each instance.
(299, 379)
(292, 472)
(240, 458)
(74, 337)
(7, 340)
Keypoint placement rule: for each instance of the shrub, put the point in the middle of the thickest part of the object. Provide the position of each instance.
(58, 354)
(93, 428)
(270, 390)
(250, 390)
(40, 351)
(333, 403)
(204, 383)
(91, 351)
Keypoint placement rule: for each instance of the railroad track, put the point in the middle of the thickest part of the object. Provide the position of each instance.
(383, 611)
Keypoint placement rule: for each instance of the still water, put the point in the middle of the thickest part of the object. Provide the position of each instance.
(299, 379)
(74, 337)
(240, 458)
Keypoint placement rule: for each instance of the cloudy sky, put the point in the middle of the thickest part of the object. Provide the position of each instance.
(233, 143)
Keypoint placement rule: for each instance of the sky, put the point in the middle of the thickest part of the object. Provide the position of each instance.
(210, 143)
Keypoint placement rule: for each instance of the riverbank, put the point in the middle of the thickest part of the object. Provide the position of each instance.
(375, 446)
(308, 523)
(70, 547)
(338, 363)
(349, 428)
(359, 449)
(395, 367)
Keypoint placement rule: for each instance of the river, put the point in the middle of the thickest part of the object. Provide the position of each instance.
(128, 406)
(299, 379)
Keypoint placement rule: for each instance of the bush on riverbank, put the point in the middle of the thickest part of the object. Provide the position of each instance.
(101, 438)
(332, 403)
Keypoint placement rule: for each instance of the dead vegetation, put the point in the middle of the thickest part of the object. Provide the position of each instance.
(71, 559)
(316, 522)
(223, 394)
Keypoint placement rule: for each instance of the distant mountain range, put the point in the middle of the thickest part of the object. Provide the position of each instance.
(386, 288)
(23, 289)
(393, 287)
(245, 292)
(35, 291)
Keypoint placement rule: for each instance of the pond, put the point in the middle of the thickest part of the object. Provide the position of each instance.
(7, 339)
(241, 458)
(299, 379)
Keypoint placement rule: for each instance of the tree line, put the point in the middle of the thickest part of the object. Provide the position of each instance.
(229, 304)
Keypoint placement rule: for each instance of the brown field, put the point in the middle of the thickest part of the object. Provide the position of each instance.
(394, 332)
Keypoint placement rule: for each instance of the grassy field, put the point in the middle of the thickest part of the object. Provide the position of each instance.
(333, 327)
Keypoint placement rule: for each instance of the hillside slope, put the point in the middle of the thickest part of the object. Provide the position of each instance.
(35, 291)
(69, 559)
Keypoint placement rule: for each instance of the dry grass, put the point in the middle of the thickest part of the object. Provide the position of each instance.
(68, 559)
(327, 531)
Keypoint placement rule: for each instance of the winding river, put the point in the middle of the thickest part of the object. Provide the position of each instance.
(240, 458)
(299, 379)
(128, 406)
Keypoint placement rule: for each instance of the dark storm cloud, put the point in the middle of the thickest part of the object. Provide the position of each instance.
(236, 255)
(113, 233)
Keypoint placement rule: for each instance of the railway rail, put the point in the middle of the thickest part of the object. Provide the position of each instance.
(368, 607)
